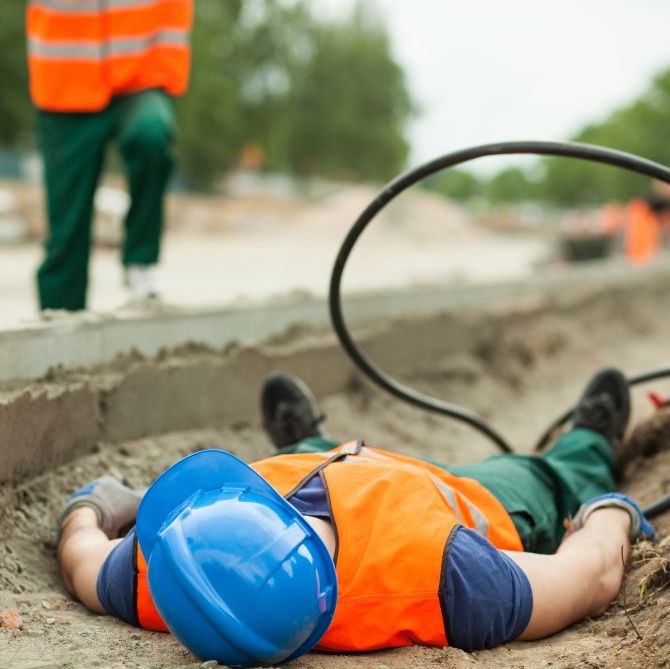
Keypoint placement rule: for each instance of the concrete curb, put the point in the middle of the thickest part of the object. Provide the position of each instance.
(39, 431)
(90, 340)
(51, 424)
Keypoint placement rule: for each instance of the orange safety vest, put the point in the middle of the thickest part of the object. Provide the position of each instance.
(393, 516)
(81, 53)
(643, 230)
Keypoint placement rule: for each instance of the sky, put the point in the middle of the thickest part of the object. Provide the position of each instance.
(487, 71)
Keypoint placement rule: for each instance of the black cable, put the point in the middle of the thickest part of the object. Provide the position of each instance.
(398, 185)
(657, 508)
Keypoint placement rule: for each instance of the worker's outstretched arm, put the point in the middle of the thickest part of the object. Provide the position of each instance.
(582, 577)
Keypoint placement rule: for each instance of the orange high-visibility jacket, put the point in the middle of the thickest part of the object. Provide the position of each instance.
(643, 232)
(393, 516)
(81, 53)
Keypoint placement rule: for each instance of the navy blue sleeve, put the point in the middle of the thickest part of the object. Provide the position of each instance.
(486, 597)
(116, 581)
(312, 499)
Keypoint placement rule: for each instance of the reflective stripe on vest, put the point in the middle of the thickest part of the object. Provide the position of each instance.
(121, 46)
(88, 6)
(481, 523)
(392, 517)
(81, 53)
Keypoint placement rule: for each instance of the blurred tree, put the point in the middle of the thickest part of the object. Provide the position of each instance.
(16, 117)
(456, 184)
(319, 98)
(209, 117)
(640, 127)
(510, 185)
(243, 63)
(348, 102)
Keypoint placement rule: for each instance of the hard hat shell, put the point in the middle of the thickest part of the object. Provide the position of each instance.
(236, 572)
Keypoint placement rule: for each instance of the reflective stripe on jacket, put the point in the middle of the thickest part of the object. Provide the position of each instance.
(81, 53)
(393, 516)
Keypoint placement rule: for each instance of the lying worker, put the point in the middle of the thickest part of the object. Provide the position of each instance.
(356, 548)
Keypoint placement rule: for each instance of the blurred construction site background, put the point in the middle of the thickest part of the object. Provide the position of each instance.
(296, 115)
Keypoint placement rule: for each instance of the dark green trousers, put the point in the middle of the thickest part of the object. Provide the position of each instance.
(73, 149)
(539, 492)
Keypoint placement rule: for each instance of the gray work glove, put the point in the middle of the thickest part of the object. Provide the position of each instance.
(115, 503)
(640, 527)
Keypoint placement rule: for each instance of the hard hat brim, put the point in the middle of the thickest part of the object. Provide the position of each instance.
(211, 469)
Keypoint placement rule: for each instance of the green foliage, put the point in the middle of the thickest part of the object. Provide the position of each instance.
(640, 128)
(210, 114)
(16, 116)
(348, 103)
(320, 98)
(510, 185)
(456, 184)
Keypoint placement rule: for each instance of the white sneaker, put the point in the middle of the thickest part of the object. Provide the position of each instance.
(141, 282)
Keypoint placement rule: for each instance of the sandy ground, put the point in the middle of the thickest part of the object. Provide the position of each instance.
(221, 250)
(524, 371)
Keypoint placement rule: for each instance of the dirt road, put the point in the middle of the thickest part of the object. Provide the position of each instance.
(221, 251)
(524, 369)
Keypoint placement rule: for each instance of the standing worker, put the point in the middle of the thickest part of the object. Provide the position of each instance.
(103, 70)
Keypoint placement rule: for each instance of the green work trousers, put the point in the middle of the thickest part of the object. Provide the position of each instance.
(538, 491)
(73, 149)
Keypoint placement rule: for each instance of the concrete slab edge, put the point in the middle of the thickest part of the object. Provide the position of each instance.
(89, 340)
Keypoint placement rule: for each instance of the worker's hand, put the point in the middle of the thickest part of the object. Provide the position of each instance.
(115, 503)
(640, 527)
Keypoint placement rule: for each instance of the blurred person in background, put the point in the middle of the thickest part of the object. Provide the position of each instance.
(103, 70)
(659, 202)
(642, 231)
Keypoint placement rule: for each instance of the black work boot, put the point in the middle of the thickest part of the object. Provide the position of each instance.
(289, 411)
(604, 406)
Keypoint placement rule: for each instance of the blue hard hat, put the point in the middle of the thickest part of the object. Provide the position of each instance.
(235, 571)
